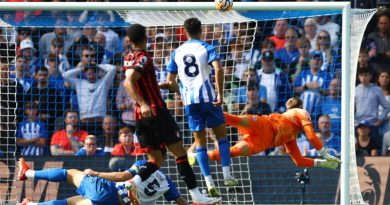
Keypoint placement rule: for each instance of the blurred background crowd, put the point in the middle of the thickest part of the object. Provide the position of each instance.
(68, 79)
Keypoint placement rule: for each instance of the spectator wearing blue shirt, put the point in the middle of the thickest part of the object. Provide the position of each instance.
(90, 148)
(32, 133)
(288, 56)
(330, 139)
(312, 85)
(304, 58)
(276, 82)
(49, 99)
(254, 105)
(22, 75)
(27, 51)
(331, 105)
(368, 98)
(241, 93)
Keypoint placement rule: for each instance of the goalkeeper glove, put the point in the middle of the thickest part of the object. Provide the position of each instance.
(324, 153)
(325, 164)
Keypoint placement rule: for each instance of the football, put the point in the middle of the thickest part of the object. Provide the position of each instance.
(223, 5)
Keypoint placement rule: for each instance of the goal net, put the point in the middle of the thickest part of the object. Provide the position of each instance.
(267, 51)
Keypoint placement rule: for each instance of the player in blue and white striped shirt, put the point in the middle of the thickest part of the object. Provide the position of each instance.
(99, 191)
(193, 62)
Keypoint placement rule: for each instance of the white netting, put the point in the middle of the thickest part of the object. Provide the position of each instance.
(359, 21)
(8, 105)
(164, 39)
(234, 37)
(175, 18)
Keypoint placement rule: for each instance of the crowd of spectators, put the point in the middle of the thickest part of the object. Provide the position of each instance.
(71, 100)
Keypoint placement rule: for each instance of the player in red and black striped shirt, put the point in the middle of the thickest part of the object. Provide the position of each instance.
(146, 86)
(155, 127)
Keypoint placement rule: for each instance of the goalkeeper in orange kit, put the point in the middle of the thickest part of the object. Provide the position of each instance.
(261, 132)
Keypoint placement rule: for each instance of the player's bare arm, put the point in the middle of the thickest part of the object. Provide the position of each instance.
(131, 77)
(170, 83)
(111, 176)
(219, 80)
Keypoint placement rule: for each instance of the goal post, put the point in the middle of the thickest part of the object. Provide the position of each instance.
(167, 17)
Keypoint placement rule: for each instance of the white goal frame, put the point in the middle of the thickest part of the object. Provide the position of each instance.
(345, 7)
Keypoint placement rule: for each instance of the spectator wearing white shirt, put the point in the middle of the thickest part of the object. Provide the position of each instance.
(46, 41)
(92, 93)
(325, 23)
(112, 38)
(310, 29)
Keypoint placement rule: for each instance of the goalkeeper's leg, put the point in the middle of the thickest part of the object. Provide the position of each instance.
(240, 149)
(236, 121)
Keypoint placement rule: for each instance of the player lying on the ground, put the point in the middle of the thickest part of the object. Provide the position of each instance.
(95, 190)
(266, 131)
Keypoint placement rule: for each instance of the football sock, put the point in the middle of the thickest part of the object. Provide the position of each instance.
(224, 151)
(54, 202)
(203, 160)
(186, 172)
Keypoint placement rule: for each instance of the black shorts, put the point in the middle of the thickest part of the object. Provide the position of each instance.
(158, 131)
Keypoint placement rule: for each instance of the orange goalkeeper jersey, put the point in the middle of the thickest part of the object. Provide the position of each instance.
(267, 131)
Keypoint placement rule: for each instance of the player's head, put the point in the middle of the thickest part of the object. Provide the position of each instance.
(137, 34)
(294, 103)
(193, 27)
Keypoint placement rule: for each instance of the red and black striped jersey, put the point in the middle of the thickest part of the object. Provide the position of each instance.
(147, 84)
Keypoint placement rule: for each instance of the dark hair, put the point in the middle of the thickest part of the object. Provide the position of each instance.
(230, 63)
(31, 105)
(70, 111)
(136, 33)
(130, 128)
(252, 85)
(379, 74)
(364, 70)
(164, 152)
(88, 48)
(193, 26)
(294, 103)
(3, 60)
(44, 69)
(267, 43)
(117, 59)
(53, 56)
(363, 50)
(24, 30)
(58, 42)
(91, 66)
